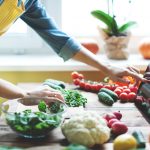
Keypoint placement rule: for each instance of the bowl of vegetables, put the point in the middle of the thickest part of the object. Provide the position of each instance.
(33, 117)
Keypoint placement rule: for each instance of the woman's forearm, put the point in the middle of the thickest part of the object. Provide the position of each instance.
(10, 91)
(89, 58)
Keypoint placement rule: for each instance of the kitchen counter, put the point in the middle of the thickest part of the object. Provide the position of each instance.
(56, 141)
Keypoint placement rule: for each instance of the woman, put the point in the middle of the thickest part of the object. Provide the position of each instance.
(34, 14)
(11, 91)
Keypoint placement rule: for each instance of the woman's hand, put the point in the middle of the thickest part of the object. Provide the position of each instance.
(46, 92)
(117, 74)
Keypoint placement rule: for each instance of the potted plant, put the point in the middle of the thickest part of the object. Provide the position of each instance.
(116, 36)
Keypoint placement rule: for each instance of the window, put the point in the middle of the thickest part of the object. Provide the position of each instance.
(77, 20)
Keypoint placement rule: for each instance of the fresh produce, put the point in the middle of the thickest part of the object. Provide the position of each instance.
(75, 147)
(53, 107)
(119, 128)
(74, 98)
(86, 128)
(124, 142)
(52, 85)
(118, 114)
(109, 116)
(56, 82)
(111, 93)
(105, 98)
(32, 124)
(111, 121)
(141, 142)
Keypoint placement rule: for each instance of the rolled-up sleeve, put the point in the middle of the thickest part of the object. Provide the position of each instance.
(37, 18)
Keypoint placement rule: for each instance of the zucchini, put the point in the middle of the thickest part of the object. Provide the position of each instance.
(111, 93)
(57, 82)
(141, 143)
(105, 98)
(52, 85)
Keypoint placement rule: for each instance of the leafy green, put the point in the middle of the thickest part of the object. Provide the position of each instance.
(74, 98)
(111, 23)
(33, 123)
(42, 106)
(76, 147)
(53, 107)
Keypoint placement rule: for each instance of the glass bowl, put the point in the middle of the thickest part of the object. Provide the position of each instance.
(24, 117)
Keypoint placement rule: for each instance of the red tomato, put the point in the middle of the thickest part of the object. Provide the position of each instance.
(87, 86)
(82, 84)
(117, 91)
(99, 86)
(126, 91)
(80, 76)
(94, 87)
(124, 87)
(133, 89)
(123, 97)
(119, 87)
(76, 81)
(107, 86)
(131, 96)
(74, 75)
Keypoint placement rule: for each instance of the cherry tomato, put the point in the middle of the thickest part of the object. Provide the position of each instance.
(76, 81)
(117, 91)
(123, 97)
(74, 75)
(131, 96)
(99, 86)
(107, 86)
(80, 76)
(126, 91)
(133, 89)
(82, 84)
(120, 88)
(87, 86)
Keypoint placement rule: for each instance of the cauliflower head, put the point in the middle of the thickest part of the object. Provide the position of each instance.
(87, 128)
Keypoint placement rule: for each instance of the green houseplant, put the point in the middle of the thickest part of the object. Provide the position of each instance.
(116, 37)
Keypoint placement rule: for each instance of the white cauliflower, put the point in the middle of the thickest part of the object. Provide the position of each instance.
(87, 128)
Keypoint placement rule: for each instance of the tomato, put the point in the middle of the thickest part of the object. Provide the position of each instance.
(123, 97)
(126, 91)
(87, 86)
(133, 89)
(82, 84)
(76, 81)
(117, 91)
(131, 96)
(107, 86)
(80, 76)
(119, 87)
(74, 75)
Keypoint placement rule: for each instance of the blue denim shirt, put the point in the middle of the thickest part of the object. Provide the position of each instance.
(37, 18)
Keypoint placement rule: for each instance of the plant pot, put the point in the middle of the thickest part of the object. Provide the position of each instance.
(117, 47)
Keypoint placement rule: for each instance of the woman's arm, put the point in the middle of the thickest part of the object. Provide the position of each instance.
(11, 91)
(113, 72)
